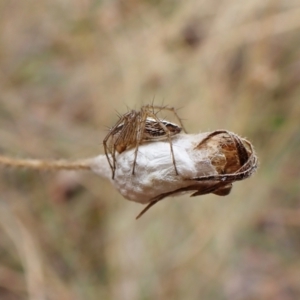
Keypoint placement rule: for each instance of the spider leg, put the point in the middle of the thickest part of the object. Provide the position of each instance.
(172, 152)
(167, 131)
(173, 110)
(112, 132)
(106, 151)
(114, 162)
(122, 141)
(139, 130)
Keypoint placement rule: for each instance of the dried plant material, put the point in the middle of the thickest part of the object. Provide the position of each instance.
(206, 162)
(137, 127)
(45, 165)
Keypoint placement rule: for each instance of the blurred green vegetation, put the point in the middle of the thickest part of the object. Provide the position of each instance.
(66, 67)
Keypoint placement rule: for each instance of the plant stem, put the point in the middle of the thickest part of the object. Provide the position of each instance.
(45, 165)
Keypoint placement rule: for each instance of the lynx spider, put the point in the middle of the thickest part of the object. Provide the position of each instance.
(136, 127)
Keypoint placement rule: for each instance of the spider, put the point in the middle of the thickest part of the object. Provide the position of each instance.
(137, 127)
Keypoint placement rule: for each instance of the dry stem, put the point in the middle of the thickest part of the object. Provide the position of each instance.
(45, 165)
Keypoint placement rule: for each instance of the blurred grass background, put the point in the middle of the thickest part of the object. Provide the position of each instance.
(67, 66)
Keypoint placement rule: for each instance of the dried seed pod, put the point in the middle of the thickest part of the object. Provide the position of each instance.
(206, 163)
